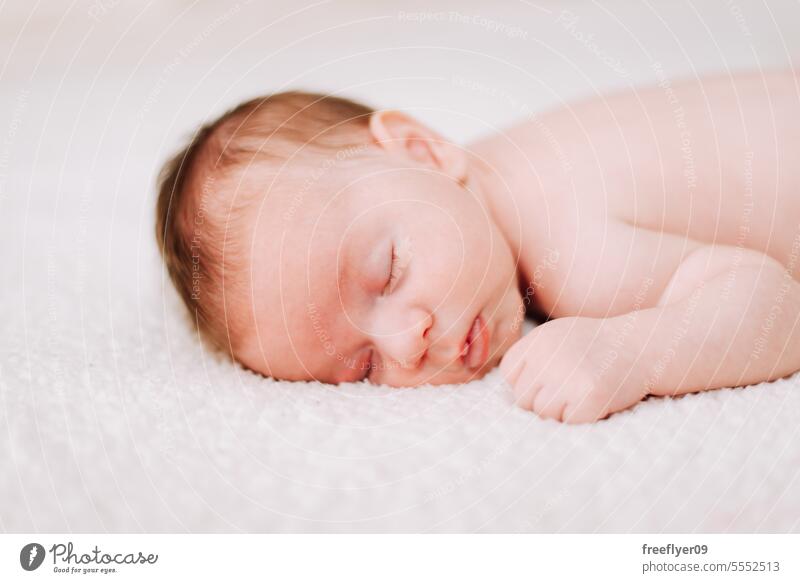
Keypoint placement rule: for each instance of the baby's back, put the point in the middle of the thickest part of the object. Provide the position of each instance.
(715, 160)
(655, 228)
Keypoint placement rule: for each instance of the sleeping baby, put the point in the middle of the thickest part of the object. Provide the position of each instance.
(656, 233)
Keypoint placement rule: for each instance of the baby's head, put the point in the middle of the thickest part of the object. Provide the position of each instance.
(314, 238)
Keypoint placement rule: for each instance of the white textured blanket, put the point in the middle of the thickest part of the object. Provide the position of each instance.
(113, 419)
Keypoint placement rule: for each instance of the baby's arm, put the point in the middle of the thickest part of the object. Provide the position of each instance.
(727, 317)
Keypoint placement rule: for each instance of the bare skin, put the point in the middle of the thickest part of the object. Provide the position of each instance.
(674, 215)
(658, 230)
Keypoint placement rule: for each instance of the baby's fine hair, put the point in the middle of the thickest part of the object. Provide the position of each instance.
(197, 196)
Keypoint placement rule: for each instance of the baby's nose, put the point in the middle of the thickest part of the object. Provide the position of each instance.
(402, 339)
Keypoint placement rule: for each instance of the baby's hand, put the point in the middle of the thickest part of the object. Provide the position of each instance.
(576, 370)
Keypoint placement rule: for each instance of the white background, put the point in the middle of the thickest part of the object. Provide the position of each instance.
(112, 419)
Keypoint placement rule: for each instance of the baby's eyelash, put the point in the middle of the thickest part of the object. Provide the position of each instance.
(393, 273)
(401, 255)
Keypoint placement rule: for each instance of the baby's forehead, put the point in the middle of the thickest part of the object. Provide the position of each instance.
(297, 212)
(288, 239)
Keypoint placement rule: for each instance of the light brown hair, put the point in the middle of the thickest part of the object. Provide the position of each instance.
(194, 208)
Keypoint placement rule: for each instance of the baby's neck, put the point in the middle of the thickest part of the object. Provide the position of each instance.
(513, 199)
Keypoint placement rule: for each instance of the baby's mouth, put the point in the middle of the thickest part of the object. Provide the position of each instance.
(476, 346)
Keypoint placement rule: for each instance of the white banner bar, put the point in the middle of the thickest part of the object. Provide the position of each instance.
(399, 558)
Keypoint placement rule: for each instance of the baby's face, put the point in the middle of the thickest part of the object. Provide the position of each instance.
(401, 277)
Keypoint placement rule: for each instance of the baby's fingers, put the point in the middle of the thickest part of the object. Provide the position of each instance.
(527, 386)
(588, 409)
(514, 361)
(550, 402)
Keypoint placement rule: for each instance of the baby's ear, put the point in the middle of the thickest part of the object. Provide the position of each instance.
(402, 135)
